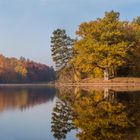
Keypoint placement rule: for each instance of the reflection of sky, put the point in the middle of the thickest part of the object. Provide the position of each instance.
(31, 124)
(34, 123)
(26, 25)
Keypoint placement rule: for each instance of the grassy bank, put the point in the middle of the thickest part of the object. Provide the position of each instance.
(95, 82)
(116, 84)
(120, 81)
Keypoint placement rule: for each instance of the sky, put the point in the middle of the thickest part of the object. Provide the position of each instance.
(26, 25)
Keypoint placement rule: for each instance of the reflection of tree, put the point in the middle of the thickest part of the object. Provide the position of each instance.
(100, 115)
(22, 98)
(131, 100)
(61, 120)
(100, 119)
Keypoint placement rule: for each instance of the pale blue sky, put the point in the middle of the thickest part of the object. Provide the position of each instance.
(26, 25)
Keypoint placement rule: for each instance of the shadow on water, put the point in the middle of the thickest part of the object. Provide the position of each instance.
(23, 98)
(97, 114)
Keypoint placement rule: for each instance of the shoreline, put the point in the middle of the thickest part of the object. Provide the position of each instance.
(118, 82)
(114, 86)
(77, 84)
(84, 86)
(26, 85)
(97, 84)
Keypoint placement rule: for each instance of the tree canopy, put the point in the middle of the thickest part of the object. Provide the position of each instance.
(105, 47)
(105, 43)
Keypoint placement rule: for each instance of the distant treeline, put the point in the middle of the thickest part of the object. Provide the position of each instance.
(14, 70)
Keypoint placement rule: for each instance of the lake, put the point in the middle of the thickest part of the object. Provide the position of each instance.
(71, 113)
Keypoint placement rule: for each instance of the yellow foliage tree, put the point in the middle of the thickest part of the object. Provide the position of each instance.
(105, 43)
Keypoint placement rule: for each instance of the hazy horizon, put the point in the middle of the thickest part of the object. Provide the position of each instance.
(26, 25)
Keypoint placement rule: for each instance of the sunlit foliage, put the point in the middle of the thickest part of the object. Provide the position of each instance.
(105, 47)
(105, 43)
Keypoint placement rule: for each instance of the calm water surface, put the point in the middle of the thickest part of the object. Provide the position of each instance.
(48, 113)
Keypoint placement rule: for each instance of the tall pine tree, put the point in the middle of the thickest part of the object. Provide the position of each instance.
(61, 48)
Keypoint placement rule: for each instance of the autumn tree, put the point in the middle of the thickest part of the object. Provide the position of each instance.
(105, 43)
(13, 70)
(61, 48)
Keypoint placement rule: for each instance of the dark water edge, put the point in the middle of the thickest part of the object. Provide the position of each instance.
(33, 112)
(28, 85)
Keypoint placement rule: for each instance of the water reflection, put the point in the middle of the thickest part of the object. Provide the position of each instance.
(23, 98)
(98, 114)
(103, 114)
(62, 120)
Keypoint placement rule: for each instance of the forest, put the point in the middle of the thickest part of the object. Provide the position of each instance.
(14, 70)
(106, 47)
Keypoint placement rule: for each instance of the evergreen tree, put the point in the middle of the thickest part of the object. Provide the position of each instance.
(61, 48)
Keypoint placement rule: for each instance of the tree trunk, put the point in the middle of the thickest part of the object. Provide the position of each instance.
(75, 74)
(106, 74)
(113, 71)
